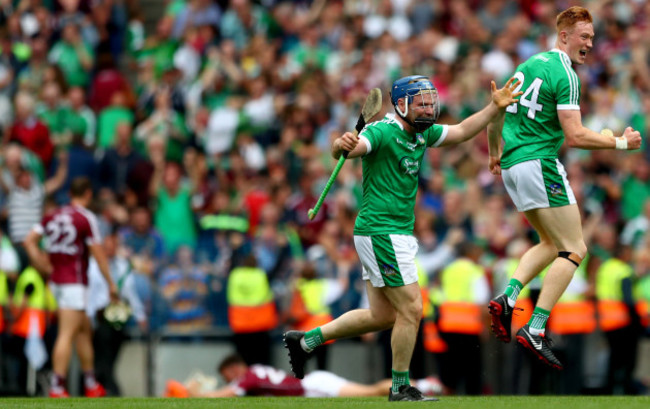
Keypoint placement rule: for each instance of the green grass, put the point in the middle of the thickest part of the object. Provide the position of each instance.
(491, 402)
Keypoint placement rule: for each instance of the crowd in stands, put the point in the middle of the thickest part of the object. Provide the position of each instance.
(207, 138)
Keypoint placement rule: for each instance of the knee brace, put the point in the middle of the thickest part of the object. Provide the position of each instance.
(572, 257)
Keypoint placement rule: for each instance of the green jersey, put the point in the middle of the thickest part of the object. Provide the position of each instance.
(390, 176)
(532, 128)
(66, 56)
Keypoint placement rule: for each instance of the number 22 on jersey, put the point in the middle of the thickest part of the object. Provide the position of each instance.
(60, 235)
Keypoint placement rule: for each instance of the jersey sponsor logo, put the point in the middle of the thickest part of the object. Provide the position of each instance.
(388, 270)
(409, 166)
(409, 145)
(555, 189)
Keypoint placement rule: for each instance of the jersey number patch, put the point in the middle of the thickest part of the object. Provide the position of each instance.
(529, 98)
(273, 375)
(61, 235)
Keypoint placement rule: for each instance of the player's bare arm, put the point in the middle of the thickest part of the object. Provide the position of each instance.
(494, 129)
(98, 253)
(471, 126)
(37, 257)
(348, 142)
(578, 136)
(225, 392)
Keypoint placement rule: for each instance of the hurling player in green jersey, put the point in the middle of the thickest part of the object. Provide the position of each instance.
(533, 129)
(392, 150)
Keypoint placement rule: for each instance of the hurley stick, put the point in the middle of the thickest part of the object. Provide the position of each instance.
(371, 107)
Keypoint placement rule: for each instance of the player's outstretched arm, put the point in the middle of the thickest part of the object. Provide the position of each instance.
(494, 129)
(471, 126)
(578, 136)
(225, 392)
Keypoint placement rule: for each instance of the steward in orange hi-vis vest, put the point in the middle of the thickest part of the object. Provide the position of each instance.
(251, 307)
(613, 313)
(464, 291)
(29, 302)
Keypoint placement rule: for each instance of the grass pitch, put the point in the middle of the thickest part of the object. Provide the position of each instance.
(487, 402)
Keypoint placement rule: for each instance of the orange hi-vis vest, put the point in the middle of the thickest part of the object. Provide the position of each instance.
(573, 317)
(250, 301)
(32, 308)
(432, 341)
(314, 311)
(459, 312)
(643, 309)
(573, 314)
(523, 310)
(613, 314)
(642, 296)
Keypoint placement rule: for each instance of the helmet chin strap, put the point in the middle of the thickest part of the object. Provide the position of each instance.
(406, 110)
(423, 123)
(419, 124)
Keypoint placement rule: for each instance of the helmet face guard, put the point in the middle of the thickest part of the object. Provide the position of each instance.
(409, 87)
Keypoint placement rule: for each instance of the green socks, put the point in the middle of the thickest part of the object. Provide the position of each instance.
(512, 291)
(399, 379)
(537, 322)
(312, 339)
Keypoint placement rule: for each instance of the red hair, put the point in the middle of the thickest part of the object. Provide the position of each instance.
(569, 17)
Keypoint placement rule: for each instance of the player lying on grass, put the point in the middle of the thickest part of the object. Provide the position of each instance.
(262, 380)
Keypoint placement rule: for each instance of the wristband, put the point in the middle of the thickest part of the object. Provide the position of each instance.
(621, 143)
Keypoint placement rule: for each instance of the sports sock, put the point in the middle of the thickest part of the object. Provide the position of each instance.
(538, 320)
(89, 380)
(399, 379)
(312, 339)
(512, 291)
(57, 383)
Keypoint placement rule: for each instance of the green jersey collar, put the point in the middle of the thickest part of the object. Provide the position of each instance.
(557, 50)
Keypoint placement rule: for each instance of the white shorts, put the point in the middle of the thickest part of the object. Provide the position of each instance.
(322, 384)
(70, 296)
(538, 184)
(388, 259)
